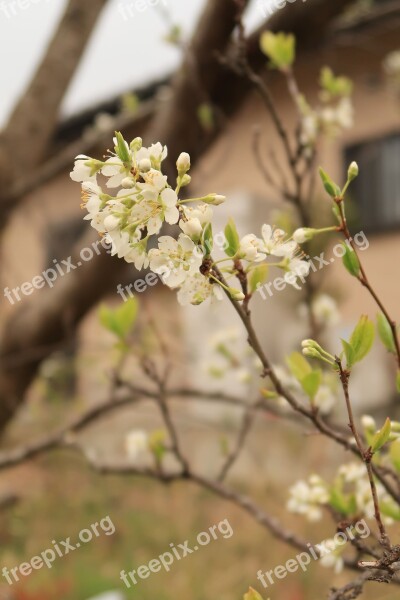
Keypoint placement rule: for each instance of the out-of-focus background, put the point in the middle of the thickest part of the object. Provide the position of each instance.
(73, 72)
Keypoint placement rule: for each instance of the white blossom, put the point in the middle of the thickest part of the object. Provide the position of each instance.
(325, 310)
(275, 242)
(334, 559)
(175, 260)
(325, 399)
(156, 204)
(82, 170)
(308, 498)
(197, 288)
(136, 443)
(250, 248)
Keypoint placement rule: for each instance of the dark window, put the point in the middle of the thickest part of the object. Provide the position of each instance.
(376, 191)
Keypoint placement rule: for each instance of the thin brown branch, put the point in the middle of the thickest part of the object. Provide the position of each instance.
(365, 454)
(363, 279)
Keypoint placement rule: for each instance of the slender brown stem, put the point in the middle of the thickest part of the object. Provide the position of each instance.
(365, 454)
(363, 279)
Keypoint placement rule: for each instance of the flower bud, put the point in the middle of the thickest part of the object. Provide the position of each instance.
(236, 294)
(311, 344)
(144, 165)
(127, 183)
(304, 234)
(353, 171)
(311, 352)
(111, 223)
(192, 228)
(183, 163)
(214, 199)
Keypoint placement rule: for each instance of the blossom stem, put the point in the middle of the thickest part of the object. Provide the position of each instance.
(366, 455)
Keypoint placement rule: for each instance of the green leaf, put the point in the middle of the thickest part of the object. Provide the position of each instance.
(330, 187)
(385, 333)
(348, 352)
(390, 509)
(298, 365)
(350, 261)
(120, 320)
(252, 594)
(208, 239)
(344, 504)
(394, 453)
(381, 436)
(280, 48)
(121, 148)
(257, 277)
(157, 444)
(311, 383)
(335, 86)
(362, 339)
(232, 238)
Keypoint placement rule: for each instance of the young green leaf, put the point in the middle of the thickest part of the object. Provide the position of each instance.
(362, 339)
(350, 261)
(311, 383)
(232, 238)
(298, 365)
(381, 436)
(208, 239)
(120, 320)
(348, 352)
(121, 148)
(344, 504)
(390, 509)
(335, 86)
(257, 277)
(330, 187)
(280, 48)
(385, 333)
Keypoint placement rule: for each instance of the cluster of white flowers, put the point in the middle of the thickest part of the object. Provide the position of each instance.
(139, 200)
(351, 484)
(326, 120)
(308, 498)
